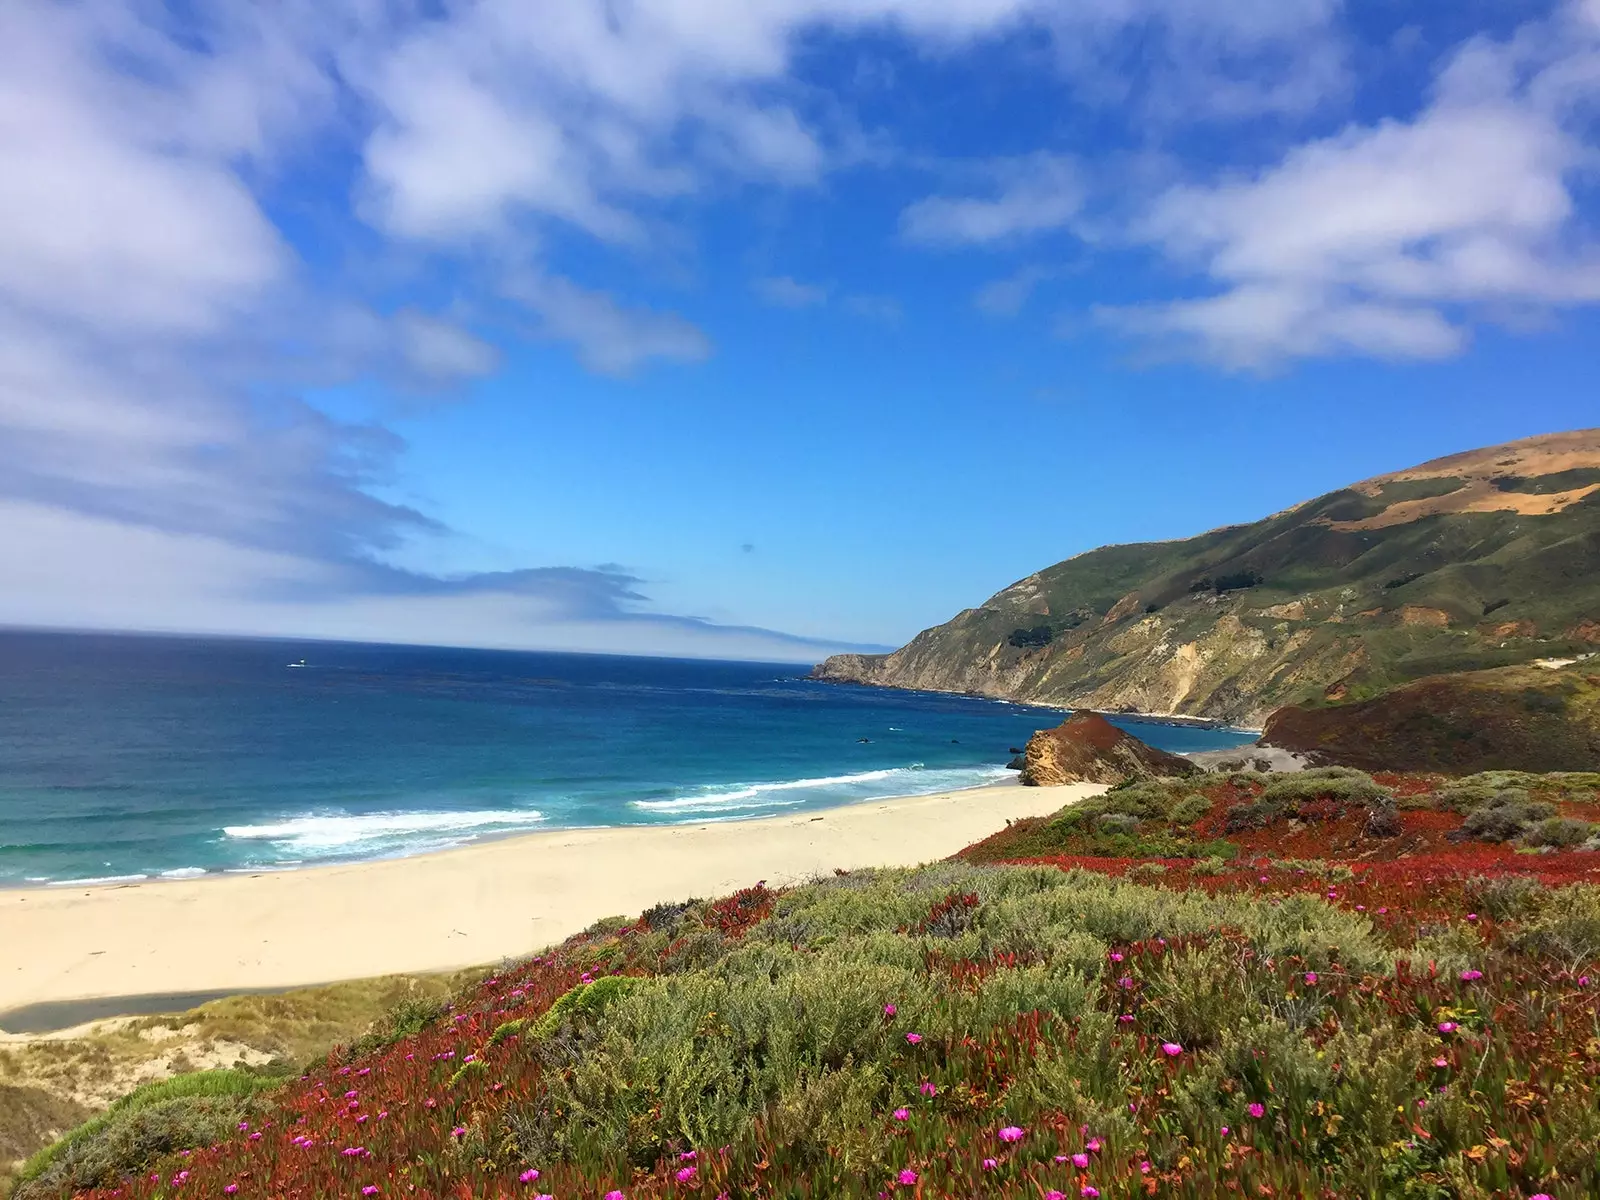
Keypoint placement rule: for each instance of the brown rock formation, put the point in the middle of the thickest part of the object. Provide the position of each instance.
(1087, 748)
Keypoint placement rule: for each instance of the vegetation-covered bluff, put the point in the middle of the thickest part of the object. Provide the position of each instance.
(1483, 559)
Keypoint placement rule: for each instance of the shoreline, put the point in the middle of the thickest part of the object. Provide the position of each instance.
(465, 906)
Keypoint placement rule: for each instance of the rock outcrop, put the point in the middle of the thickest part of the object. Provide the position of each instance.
(1087, 748)
(1511, 719)
(1479, 560)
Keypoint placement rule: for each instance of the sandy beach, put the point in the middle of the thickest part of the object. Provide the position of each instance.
(461, 907)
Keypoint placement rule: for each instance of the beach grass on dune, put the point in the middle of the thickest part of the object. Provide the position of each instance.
(1312, 1029)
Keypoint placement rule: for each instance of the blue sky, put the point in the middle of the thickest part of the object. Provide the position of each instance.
(750, 329)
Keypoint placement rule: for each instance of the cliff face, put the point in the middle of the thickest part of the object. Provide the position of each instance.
(1478, 560)
(1087, 748)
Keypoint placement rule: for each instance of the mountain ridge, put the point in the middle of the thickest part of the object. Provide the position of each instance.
(1487, 557)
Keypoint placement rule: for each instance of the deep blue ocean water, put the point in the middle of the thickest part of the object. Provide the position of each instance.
(125, 757)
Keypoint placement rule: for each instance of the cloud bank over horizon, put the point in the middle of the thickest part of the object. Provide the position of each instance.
(212, 221)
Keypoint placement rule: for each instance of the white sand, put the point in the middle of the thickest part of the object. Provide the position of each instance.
(461, 907)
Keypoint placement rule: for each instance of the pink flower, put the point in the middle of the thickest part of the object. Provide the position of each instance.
(1448, 1027)
(889, 1010)
(1052, 1194)
(1441, 1061)
(908, 1177)
(902, 1114)
(1226, 1131)
(1470, 974)
(1011, 1133)
(615, 1196)
(990, 1164)
(1125, 1018)
(231, 1189)
(1171, 1049)
(1080, 1160)
(1093, 1146)
(927, 1089)
(529, 1175)
(1472, 916)
(685, 1174)
(688, 1156)
(1583, 981)
(913, 1038)
(1311, 977)
(1088, 1189)
(1540, 1196)
(1115, 956)
(459, 1131)
(369, 1190)
(1144, 1167)
(1125, 982)
(1258, 1111)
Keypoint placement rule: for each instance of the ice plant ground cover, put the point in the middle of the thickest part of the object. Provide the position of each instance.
(1421, 1026)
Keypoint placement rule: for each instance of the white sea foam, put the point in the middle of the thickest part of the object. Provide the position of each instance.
(184, 873)
(324, 834)
(97, 881)
(914, 780)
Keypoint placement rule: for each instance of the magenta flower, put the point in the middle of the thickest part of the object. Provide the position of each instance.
(1011, 1133)
(615, 1196)
(1441, 1061)
(529, 1175)
(544, 1196)
(1472, 916)
(1583, 981)
(1080, 1160)
(231, 1189)
(889, 1010)
(369, 1190)
(1470, 974)
(1125, 1018)
(688, 1156)
(1052, 1194)
(1125, 982)
(1144, 1167)
(1448, 1027)
(1093, 1146)
(1258, 1111)
(1115, 956)
(1088, 1189)
(459, 1131)
(686, 1174)
(990, 1164)
(1311, 977)
(902, 1114)
(1226, 1131)
(927, 1089)
(913, 1038)
(1171, 1049)
(908, 1177)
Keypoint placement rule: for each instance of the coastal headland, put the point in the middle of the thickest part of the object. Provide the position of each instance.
(475, 904)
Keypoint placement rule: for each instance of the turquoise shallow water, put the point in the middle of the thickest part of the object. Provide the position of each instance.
(130, 757)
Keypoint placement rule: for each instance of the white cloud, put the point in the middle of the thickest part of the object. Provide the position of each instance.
(886, 309)
(1030, 196)
(783, 292)
(611, 338)
(441, 351)
(1006, 297)
(1386, 239)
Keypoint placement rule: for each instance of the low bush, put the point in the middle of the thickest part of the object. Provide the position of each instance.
(1561, 833)
(185, 1112)
(1505, 816)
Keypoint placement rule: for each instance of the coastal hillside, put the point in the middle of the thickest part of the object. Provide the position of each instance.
(1483, 559)
(1156, 991)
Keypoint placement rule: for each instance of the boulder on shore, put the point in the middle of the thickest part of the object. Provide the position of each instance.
(1087, 748)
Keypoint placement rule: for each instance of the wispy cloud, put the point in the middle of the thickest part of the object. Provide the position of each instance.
(781, 291)
(1024, 197)
(1392, 239)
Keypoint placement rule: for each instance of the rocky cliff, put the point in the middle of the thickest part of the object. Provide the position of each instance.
(1481, 559)
(1087, 748)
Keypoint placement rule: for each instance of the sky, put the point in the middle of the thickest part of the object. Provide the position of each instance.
(750, 328)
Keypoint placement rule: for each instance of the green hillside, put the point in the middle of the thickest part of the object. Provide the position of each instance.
(1483, 559)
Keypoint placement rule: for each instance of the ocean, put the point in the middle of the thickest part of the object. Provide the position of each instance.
(132, 757)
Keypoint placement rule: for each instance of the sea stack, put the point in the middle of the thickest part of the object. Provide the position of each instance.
(1087, 748)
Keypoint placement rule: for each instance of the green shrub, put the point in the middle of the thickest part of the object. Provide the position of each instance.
(582, 1003)
(1562, 833)
(185, 1112)
(1505, 816)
